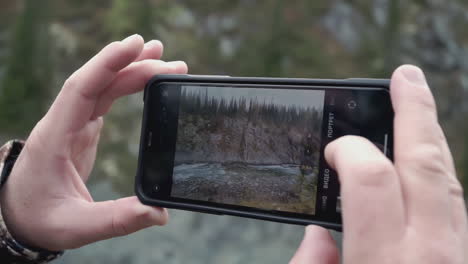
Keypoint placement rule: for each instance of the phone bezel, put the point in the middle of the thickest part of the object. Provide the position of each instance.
(364, 84)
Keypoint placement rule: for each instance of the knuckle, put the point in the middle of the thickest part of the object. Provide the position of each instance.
(150, 67)
(72, 81)
(440, 134)
(119, 227)
(434, 250)
(144, 214)
(146, 217)
(427, 103)
(373, 172)
(424, 98)
(38, 141)
(113, 44)
(427, 159)
(163, 219)
(438, 252)
(117, 47)
(149, 216)
(455, 189)
(438, 256)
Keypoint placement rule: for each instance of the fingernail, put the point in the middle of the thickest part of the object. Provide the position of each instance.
(414, 75)
(309, 229)
(315, 232)
(130, 39)
(153, 43)
(175, 64)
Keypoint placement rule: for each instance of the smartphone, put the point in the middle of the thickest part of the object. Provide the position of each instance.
(253, 147)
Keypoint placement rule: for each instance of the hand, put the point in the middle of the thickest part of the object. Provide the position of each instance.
(45, 201)
(411, 211)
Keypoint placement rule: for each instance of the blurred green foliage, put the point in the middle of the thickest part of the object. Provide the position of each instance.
(43, 42)
(129, 17)
(28, 70)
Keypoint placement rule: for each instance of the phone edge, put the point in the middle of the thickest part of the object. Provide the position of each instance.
(353, 82)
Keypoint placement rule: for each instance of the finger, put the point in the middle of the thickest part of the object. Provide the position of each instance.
(84, 158)
(134, 78)
(458, 206)
(152, 50)
(419, 157)
(76, 101)
(317, 247)
(104, 220)
(370, 190)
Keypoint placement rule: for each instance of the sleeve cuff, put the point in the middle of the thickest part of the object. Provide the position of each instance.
(15, 250)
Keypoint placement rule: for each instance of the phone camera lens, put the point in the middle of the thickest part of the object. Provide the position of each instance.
(352, 104)
(156, 188)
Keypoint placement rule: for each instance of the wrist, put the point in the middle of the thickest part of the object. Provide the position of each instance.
(9, 221)
(8, 231)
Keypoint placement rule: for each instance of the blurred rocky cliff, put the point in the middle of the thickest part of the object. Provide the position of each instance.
(322, 39)
(42, 42)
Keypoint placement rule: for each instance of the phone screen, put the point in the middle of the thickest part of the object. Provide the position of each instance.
(249, 146)
(260, 147)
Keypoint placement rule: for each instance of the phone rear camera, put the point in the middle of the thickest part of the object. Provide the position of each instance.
(156, 188)
(351, 104)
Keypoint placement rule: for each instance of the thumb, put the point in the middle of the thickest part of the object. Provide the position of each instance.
(104, 220)
(317, 247)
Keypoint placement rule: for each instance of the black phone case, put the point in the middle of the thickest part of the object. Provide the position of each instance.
(361, 83)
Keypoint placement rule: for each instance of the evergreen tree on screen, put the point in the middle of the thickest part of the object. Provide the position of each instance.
(199, 103)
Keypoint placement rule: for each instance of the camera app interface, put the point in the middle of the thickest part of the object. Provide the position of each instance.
(256, 147)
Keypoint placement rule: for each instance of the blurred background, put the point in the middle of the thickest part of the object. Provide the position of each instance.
(43, 42)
